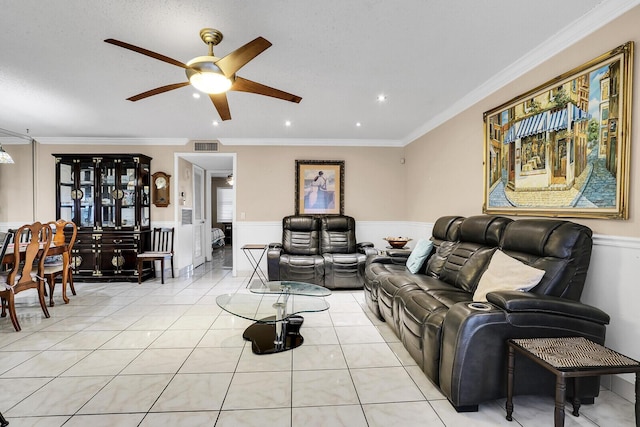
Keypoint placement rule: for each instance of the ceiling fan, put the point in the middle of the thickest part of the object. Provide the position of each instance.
(214, 76)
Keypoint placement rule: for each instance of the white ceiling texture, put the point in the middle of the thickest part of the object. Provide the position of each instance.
(430, 58)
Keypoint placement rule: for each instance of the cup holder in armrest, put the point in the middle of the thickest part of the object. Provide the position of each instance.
(481, 306)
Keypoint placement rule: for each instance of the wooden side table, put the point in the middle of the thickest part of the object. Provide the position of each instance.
(569, 358)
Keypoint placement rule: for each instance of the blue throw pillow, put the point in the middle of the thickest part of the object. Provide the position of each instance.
(419, 254)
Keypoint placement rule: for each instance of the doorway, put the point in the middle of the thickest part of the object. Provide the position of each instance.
(213, 167)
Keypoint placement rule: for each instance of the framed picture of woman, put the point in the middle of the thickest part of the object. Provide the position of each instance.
(319, 187)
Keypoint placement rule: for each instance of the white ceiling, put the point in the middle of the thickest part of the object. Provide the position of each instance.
(429, 57)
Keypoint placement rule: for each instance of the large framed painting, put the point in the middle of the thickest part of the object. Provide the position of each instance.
(562, 149)
(319, 187)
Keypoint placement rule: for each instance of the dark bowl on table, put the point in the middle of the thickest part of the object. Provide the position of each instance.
(397, 242)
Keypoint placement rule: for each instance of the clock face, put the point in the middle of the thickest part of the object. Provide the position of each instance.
(161, 182)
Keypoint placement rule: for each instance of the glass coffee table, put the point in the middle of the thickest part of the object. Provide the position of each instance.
(275, 307)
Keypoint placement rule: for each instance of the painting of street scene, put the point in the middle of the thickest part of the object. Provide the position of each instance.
(562, 149)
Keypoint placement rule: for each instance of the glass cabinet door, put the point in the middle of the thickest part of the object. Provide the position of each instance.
(109, 194)
(127, 179)
(67, 203)
(85, 193)
(145, 195)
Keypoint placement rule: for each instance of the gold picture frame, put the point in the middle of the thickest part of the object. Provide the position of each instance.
(562, 149)
(319, 187)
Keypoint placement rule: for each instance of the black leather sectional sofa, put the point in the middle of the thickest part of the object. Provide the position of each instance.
(461, 344)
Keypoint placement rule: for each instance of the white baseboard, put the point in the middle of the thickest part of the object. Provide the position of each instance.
(623, 388)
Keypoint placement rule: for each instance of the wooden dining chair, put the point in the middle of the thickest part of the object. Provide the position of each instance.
(161, 250)
(61, 264)
(5, 240)
(27, 270)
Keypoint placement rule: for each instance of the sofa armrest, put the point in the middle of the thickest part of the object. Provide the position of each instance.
(366, 248)
(474, 351)
(364, 245)
(273, 260)
(399, 253)
(386, 259)
(520, 302)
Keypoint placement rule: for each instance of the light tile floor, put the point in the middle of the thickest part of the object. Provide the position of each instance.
(122, 354)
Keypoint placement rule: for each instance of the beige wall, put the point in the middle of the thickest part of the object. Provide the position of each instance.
(16, 184)
(444, 167)
(374, 179)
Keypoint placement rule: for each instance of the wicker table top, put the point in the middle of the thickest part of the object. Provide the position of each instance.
(573, 352)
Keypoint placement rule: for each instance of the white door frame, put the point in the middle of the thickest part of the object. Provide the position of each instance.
(199, 216)
(181, 238)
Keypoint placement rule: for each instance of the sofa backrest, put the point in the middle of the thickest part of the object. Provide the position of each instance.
(446, 228)
(485, 230)
(561, 248)
(444, 235)
(479, 236)
(338, 234)
(464, 247)
(301, 235)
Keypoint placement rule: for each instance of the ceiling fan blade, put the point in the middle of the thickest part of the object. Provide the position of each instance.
(244, 85)
(237, 59)
(222, 105)
(146, 52)
(157, 91)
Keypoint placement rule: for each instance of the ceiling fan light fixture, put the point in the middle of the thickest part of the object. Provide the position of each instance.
(210, 83)
(5, 157)
(204, 75)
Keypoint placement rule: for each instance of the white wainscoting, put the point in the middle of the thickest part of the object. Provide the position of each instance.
(613, 286)
(5, 226)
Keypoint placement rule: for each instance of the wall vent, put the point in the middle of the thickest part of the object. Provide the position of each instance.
(187, 216)
(207, 146)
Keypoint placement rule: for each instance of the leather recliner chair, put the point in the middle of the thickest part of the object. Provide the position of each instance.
(320, 250)
(298, 256)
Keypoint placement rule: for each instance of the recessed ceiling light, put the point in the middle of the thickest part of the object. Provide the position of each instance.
(287, 123)
(381, 98)
(196, 95)
(358, 124)
(215, 123)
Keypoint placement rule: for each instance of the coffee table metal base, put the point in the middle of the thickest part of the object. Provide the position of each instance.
(265, 339)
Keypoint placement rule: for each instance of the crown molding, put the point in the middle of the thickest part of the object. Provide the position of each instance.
(310, 142)
(13, 140)
(314, 142)
(577, 30)
(81, 140)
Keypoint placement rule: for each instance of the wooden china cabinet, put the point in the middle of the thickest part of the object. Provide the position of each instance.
(107, 196)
